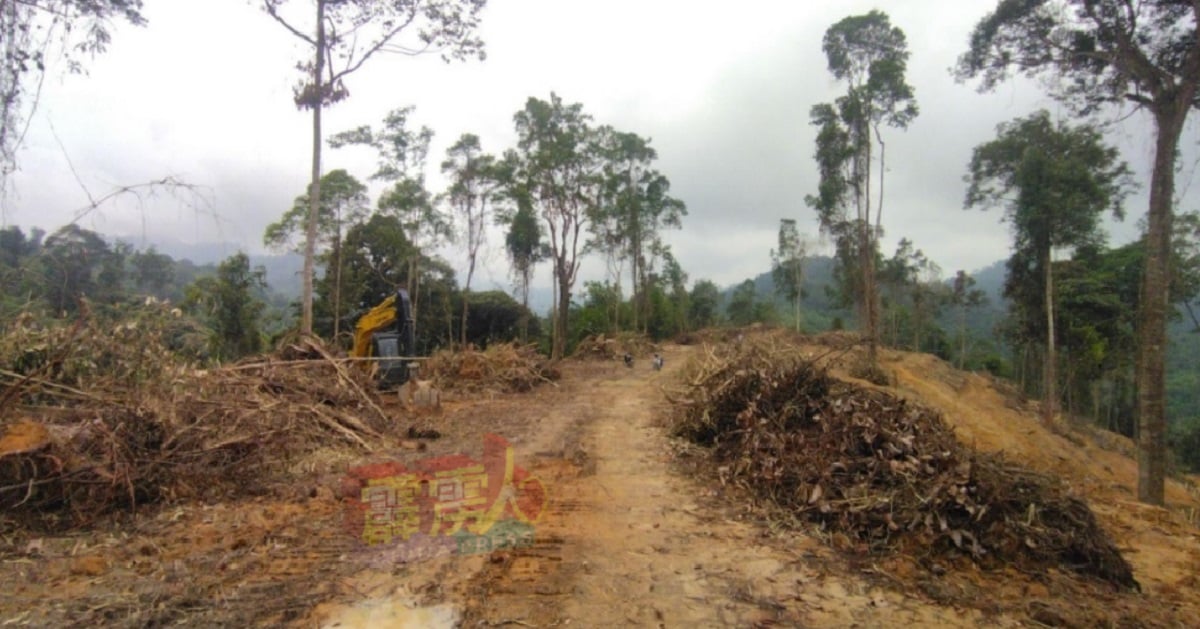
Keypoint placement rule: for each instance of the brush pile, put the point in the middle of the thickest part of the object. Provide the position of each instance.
(98, 416)
(884, 474)
(502, 367)
(606, 347)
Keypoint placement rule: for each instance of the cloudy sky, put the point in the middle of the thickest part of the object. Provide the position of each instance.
(723, 89)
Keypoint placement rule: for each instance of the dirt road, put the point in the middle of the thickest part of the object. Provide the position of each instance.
(630, 541)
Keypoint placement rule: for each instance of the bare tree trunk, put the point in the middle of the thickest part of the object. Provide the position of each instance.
(1152, 336)
(337, 286)
(1050, 368)
(466, 296)
(799, 293)
(962, 336)
(414, 285)
(871, 297)
(525, 279)
(918, 318)
(314, 188)
(562, 305)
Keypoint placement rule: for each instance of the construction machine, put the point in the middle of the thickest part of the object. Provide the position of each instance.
(387, 332)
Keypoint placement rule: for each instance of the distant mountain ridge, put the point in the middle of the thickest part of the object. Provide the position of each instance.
(283, 270)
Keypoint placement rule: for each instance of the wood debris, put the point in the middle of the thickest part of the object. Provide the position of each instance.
(887, 474)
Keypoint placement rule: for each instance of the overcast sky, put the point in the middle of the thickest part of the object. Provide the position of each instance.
(722, 89)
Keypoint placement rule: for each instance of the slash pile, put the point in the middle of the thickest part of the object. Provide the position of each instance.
(610, 347)
(99, 416)
(502, 367)
(886, 474)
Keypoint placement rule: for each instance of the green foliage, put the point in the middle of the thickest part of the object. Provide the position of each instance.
(1105, 53)
(495, 317)
(1100, 51)
(475, 180)
(525, 248)
(77, 263)
(787, 266)
(555, 168)
(636, 207)
(401, 150)
(153, 272)
(913, 297)
(227, 302)
(964, 298)
(870, 56)
(741, 309)
(1053, 181)
(704, 304)
(343, 202)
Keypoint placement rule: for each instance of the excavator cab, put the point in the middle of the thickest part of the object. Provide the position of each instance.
(388, 332)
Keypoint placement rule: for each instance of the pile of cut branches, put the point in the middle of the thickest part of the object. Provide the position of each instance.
(102, 415)
(887, 474)
(609, 347)
(500, 367)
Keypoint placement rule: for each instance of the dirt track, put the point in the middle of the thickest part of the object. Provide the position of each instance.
(643, 545)
(630, 541)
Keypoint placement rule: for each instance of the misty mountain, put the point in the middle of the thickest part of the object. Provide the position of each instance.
(819, 308)
(283, 270)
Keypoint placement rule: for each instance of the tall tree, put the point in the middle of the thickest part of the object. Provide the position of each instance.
(153, 272)
(20, 272)
(402, 153)
(344, 35)
(33, 33)
(376, 257)
(964, 296)
(1112, 53)
(916, 291)
(557, 162)
(72, 259)
(740, 309)
(703, 304)
(787, 266)
(344, 203)
(674, 283)
(1054, 182)
(228, 302)
(474, 183)
(426, 225)
(637, 206)
(525, 247)
(870, 56)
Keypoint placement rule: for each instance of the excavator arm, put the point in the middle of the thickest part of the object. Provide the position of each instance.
(387, 331)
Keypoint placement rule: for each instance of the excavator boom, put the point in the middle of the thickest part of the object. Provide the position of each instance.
(387, 331)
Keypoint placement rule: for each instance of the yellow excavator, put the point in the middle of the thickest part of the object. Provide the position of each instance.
(387, 332)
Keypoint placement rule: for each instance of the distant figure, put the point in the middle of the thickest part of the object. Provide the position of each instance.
(629, 360)
(658, 362)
